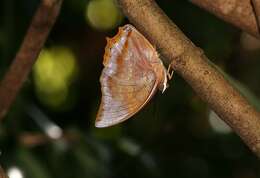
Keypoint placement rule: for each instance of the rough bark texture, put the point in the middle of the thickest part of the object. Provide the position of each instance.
(256, 8)
(31, 46)
(190, 62)
(237, 12)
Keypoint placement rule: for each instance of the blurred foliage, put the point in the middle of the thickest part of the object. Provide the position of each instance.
(49, 131)
(53, 74)
(103, 14)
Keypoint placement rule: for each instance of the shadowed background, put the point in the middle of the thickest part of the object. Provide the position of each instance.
(50, 131)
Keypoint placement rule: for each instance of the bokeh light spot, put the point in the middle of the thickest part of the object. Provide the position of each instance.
(53, 73)
(54, 131)
(14, 172)
(217, 124)
(103, 14)
(129, 146)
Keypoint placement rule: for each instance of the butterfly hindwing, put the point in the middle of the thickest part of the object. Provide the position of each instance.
(128, 80)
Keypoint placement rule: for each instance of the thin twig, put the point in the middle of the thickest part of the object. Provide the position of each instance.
(237, 12)
(37, 139)
(32, 44)
(190, 62)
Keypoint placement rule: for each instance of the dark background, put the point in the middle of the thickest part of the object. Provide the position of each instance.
(50, 131)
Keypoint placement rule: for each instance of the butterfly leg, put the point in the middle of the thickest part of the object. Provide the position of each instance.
(170, 72)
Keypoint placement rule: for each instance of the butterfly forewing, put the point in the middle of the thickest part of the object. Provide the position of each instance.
(129, 78)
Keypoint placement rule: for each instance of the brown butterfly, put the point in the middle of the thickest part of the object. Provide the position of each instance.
(132, 74)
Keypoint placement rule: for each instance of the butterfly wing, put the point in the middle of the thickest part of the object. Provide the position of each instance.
(128, 80)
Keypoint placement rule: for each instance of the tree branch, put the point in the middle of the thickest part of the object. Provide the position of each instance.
(240, 13)
(256, 9)
(32, 44)
(190, 62)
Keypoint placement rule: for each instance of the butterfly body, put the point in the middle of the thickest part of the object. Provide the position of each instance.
(132, 73)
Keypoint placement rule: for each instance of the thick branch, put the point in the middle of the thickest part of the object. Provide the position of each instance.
(256, 8)
(190, 62)
(237, 12)
(31, 46)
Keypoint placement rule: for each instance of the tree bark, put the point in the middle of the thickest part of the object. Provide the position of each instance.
(190, 62)
(256, 8)
(240, 13)
(32, 44)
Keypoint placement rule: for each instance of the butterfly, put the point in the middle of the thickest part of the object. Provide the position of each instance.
(132, 74)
